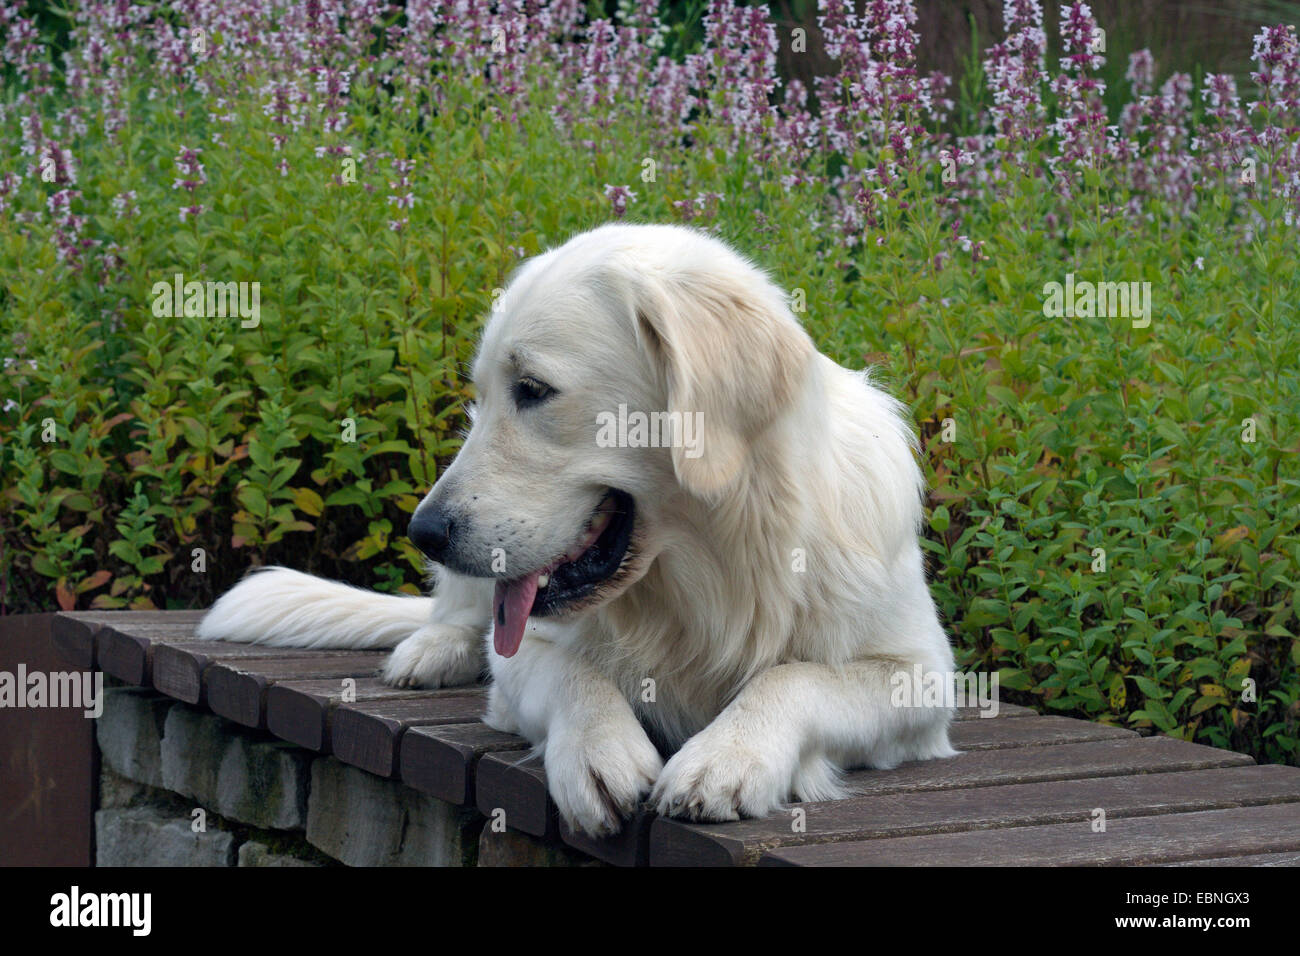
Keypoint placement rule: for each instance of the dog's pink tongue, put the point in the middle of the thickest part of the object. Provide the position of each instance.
(511, 604)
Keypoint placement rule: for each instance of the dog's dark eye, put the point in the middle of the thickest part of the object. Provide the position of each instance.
(529, 391)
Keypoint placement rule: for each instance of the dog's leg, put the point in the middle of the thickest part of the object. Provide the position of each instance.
(449, 649)
(438, 640)
(599, 761)
(788, 733)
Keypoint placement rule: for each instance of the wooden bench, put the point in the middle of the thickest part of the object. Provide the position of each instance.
(1025, 789)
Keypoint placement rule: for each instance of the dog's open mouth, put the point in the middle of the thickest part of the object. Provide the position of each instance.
(594, 558)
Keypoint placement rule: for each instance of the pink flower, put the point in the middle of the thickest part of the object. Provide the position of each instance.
(191, 172)
(8, 186)
(1081, 128)
(124, 205)
(400, 193)
(620, 197)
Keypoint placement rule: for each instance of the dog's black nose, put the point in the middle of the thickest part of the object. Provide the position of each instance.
(431, 531)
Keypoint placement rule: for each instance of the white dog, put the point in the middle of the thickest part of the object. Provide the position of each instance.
(739, 602)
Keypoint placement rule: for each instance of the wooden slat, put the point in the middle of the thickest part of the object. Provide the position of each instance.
(678, 843)
(442, 760)
(505, 782)
(1098, 758)
(1132, 841)
(128, 619)
(369, 734)
(1004, 710)
(74, 631)
(629, 847)
(1255, 859)
(994, 734)
(237, 691)
(301, 711)
(125, 649)
(177, 668)
(124, 656)
(73, 636)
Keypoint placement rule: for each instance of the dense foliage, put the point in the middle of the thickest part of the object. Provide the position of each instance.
(1113, 522)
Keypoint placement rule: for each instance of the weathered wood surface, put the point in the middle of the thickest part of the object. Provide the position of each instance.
(442, 760)
(1097, 758)
(512, 787)
(177, 669)
(674, 843)
(629, 847)
(74, 631)
(1129, 841)
(301, 711)
(1254, 859)
(1023, 789)
(126, 652)
(1034, 731)
(1004, 710)
(368, 734)
(237, 689)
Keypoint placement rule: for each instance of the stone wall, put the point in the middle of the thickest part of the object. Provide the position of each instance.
(183, 787)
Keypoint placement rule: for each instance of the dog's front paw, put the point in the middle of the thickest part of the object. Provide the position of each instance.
(716, 777)
(598, 774)
(435, 656)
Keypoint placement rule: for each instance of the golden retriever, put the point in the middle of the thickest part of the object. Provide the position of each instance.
(675, 531)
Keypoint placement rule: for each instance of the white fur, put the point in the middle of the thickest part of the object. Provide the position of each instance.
(761, 681)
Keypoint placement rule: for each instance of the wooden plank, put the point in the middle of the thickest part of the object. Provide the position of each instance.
(369, 734)
(73, 636)
(1127, 841)
(128, 619)
(301, 711)
(237, 690)
(1004, 710)
(1096, 758)
(512, 788)
(74, 631)
(176, 668)
(442, 760)
(994, 734)
(1254, 859)
(629, 847)
(125, 649)
(124, 656)
(151, 620)
(679, 843)
(515, 785)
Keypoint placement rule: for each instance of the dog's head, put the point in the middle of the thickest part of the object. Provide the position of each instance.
(631, 367)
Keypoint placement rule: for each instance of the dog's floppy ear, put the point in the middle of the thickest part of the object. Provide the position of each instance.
(730, 354)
